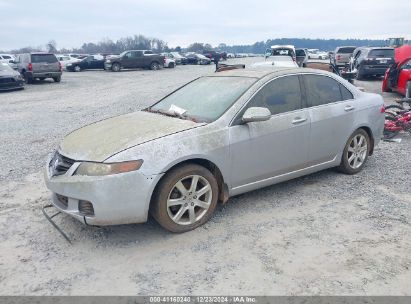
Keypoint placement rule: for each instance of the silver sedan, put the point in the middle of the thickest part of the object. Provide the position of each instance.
(218, 136)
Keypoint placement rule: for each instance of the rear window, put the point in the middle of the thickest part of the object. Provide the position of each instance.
(6, 57)
(381, 53)
(43, 58)
(300, 52)
(346, 50)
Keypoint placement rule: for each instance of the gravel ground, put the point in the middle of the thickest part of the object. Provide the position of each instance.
(326, 233)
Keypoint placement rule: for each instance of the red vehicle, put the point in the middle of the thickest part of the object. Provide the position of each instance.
(398, 77)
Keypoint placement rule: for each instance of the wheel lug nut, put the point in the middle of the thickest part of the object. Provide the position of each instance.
(195, 196)
(192, 204)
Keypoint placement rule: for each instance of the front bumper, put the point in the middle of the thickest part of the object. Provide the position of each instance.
(18, 84)
(116, 199)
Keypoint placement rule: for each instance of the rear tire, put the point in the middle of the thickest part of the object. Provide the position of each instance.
(355, 153)
(408, 90)
(186, 209)
(77, 68)
(57, 79)
(154, 66)
(171, 65)
(359, 75)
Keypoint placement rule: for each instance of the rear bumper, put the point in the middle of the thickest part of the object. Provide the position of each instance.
(370, 70)
(45, 74)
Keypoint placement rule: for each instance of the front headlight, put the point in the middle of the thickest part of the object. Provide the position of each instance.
(18, 77)
(70, 64)
(101, 169)
(108, 61)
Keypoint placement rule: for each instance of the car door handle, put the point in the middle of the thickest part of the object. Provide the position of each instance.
(348, 108)
(298, 120)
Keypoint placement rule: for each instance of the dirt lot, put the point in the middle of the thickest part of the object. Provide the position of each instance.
(326, 233)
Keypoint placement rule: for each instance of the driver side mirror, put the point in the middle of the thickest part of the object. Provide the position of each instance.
(254, 114)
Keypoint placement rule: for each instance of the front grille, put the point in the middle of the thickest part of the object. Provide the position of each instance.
(60, 164)
(85, 208)
(7, 80)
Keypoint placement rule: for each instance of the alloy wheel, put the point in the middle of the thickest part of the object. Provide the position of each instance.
(357, 151)
(189, 200)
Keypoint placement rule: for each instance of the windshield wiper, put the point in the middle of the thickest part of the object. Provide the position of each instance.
(167, 113)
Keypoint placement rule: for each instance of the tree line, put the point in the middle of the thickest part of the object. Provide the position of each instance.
(157, 45)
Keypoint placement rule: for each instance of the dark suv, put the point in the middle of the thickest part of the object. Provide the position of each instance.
(371, 61)
(39, 66)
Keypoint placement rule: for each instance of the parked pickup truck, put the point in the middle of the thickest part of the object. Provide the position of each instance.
(134, 59)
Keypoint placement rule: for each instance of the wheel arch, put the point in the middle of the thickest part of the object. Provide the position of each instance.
(223, 192)
(370, 135)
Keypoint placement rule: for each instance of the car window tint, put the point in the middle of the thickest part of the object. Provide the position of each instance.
(381, 53)
(321, 90)
(407, 65)
(279, 96)
(345, 93)
(43, 58)
(345, 50)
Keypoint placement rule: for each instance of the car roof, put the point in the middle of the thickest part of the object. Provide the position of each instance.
(263, 72)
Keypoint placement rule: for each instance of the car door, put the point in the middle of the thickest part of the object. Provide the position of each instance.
(261, 150)
(331, 109)
(127, 61)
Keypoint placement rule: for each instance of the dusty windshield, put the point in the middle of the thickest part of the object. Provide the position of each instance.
(204, 99)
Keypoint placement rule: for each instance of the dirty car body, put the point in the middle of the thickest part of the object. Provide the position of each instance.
(110, 172)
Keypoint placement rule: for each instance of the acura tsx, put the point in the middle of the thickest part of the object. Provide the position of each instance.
(215, 137)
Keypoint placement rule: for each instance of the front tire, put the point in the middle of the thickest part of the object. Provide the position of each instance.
(77, 68)
(185, 198)
(116, 67)
(355, 152)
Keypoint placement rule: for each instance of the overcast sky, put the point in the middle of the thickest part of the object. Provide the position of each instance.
(181, 22)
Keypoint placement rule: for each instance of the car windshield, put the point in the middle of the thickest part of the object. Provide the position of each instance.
(205, 99)
(381, 53)
(407, 65)
(282, 52)
(5, 67)
(300, 52)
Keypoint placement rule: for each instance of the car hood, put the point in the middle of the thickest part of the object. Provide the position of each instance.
(100, 140)
(8, 73)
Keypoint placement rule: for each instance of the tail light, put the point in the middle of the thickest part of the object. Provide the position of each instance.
(60, 67)
(382, 110)
(338, 57)
(30, 67)
(164, 60)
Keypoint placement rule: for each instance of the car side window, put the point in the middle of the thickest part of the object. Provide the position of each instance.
(128, 55)
(321, 90)
(345, 93)
(279, 96)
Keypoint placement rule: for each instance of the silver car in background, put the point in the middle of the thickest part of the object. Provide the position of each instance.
(215, 137)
